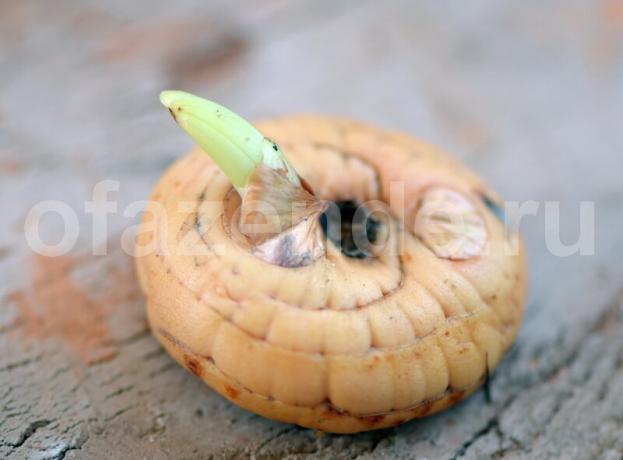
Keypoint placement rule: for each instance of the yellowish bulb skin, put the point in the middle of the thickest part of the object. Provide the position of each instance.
(340, 345)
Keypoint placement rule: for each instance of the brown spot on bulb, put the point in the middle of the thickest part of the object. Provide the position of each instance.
(231, 392)
(425, 408)
(457, 396)
(192, 365)
(373, 419)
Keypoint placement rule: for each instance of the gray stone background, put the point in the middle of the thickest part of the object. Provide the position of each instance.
(529, 93)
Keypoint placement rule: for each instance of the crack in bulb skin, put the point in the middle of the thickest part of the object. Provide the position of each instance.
(352, 229)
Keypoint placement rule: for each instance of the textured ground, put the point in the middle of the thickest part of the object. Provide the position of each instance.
(528, 93)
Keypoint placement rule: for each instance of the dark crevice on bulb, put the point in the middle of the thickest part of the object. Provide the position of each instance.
(495, 208)
(352, 229)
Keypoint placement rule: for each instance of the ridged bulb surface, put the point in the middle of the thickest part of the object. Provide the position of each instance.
(343, 344)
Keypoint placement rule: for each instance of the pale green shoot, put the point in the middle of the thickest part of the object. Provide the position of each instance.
(232, 142)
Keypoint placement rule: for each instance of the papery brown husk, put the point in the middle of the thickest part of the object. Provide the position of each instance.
(280, 219)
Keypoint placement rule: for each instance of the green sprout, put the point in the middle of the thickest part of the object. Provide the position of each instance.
(232, 142)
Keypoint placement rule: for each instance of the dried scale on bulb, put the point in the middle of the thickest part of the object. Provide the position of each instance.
(283, 273)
